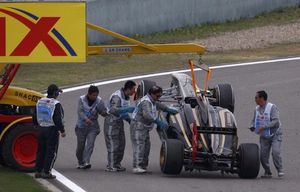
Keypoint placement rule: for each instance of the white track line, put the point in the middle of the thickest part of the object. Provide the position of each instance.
(179, 71)
(74, 187)
(67, 182)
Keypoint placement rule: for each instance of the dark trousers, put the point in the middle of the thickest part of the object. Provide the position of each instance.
(48, 139)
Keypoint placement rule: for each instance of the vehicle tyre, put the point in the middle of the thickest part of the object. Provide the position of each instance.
(171, 156)
(224, 96)
(1, 159)
(19, 148)
(143, 88)
(248, 157)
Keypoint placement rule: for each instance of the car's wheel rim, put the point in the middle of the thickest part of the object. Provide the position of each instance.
(162, 158)
(24, 149)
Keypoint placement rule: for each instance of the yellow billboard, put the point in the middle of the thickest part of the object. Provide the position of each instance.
(42, 32)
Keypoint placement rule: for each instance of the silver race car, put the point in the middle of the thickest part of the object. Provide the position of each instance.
(203, 135)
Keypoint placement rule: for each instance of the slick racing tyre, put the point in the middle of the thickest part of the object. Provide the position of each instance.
(143, 88)
(248, 157)
(171, 156)
(224, 96)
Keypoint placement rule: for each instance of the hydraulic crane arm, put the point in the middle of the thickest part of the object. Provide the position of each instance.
(138, 47)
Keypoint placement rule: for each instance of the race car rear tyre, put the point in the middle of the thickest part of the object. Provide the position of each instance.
(19, 148)
(224, 96)
(249, 164)
(171, 156)
(143, 88)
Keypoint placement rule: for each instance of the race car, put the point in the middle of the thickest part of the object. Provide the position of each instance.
(203, 135)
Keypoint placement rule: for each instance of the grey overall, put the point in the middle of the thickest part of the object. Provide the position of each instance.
(140, 126)
(271, 143)
(114, 129)
(86, 134)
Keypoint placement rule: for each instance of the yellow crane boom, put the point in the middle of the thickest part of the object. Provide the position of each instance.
(138, 47)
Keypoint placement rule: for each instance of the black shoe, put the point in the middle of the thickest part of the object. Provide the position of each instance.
(111, 169)
(38, 175)
(120, 168)
(266, 176)
(48, 176)
(87, 166)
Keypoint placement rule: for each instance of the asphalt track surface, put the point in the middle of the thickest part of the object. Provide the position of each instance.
(281, 80)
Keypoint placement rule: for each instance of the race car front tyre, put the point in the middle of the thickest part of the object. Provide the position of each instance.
(248, 160)
(143, 88)
(171, 156)
(224, 96)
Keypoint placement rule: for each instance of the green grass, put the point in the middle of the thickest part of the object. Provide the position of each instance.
(12, 181)
(278, 17)
(39, 76)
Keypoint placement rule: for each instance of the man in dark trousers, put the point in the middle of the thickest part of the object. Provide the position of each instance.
(49, 117)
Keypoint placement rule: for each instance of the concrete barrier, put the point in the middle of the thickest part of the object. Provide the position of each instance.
(131, 17)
